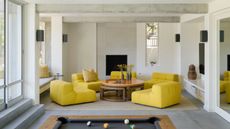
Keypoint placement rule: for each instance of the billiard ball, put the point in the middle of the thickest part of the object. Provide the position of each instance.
(132, 126)
(126, 121)
(106, 125)
(89, 123)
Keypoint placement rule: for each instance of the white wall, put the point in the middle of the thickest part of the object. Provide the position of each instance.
(80, 49)
(224, 46)
(190, 40)
(169, 51)
(115, 39)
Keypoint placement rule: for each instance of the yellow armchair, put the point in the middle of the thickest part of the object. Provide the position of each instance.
(64, 93)
(227, 76)
(77, 80)
(227, 90)
(161, 95)
(159, 78)
(117, 75)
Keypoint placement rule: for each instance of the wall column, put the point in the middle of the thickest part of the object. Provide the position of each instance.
(56, 45)
(30, 53)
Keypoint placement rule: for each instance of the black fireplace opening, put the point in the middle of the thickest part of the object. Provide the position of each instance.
(112, 61)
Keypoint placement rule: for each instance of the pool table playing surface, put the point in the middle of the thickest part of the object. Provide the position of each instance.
(115, 122)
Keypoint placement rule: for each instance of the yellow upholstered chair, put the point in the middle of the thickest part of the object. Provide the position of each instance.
(44, 71)
(223, 84)
(64, 93)
(227, 90)
(78, 80)
(160, 77)
(117, 75)
(161, 95)
(227, 76)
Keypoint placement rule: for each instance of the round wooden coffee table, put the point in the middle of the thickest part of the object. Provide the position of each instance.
(123, 89)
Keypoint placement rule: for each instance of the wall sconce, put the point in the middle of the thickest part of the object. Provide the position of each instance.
(40, 35)
(203, 36)
(221, 36)
(177, 37)
(65, 38)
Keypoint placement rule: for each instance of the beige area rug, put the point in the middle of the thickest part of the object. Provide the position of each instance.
(223, 103)
(185, 104)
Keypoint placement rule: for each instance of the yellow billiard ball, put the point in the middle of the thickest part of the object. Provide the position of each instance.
(106, 125)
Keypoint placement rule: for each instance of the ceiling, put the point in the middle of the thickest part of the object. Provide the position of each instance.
(120, 10)
(116, 1)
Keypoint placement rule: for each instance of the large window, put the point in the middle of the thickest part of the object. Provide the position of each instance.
(10, 53)
(152, 43)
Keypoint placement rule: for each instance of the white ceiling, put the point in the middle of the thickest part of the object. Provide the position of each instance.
(115, 1)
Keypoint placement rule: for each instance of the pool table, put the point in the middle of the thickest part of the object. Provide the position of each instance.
(115, 122)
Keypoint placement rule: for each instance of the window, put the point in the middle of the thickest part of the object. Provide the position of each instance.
(10, 53)
(2, 44)
(152, 43)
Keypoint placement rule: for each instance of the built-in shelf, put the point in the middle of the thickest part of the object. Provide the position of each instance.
(195, 88)
(198, 83)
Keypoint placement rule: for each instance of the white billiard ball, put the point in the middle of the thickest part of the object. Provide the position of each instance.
(89, 123)
(126, 121)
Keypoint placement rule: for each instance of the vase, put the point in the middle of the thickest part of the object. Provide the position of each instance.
(192, 75)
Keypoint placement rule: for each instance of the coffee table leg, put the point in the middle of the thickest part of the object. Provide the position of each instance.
(124, 94)
(102, 93)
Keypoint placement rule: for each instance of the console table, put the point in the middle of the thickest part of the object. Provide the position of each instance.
(195, 88)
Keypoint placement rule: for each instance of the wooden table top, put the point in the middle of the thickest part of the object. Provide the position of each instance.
(124, 83)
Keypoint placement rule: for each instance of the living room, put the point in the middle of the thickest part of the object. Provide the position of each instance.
(86, 60)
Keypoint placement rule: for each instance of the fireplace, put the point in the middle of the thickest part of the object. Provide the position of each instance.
(112, 61)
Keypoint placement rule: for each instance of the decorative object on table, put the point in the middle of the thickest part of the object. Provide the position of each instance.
(122, 68)
(129, 72)
(192, 75)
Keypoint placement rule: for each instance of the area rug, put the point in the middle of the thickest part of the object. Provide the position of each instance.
(185, 104)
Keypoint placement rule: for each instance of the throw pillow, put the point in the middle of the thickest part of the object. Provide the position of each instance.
(89, 75)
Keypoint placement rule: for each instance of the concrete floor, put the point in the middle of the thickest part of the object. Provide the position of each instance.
(182, 119)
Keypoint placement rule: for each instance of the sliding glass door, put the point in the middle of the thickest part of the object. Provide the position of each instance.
(10, 53)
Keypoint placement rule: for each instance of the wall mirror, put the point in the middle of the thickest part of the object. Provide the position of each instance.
(224, 65)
